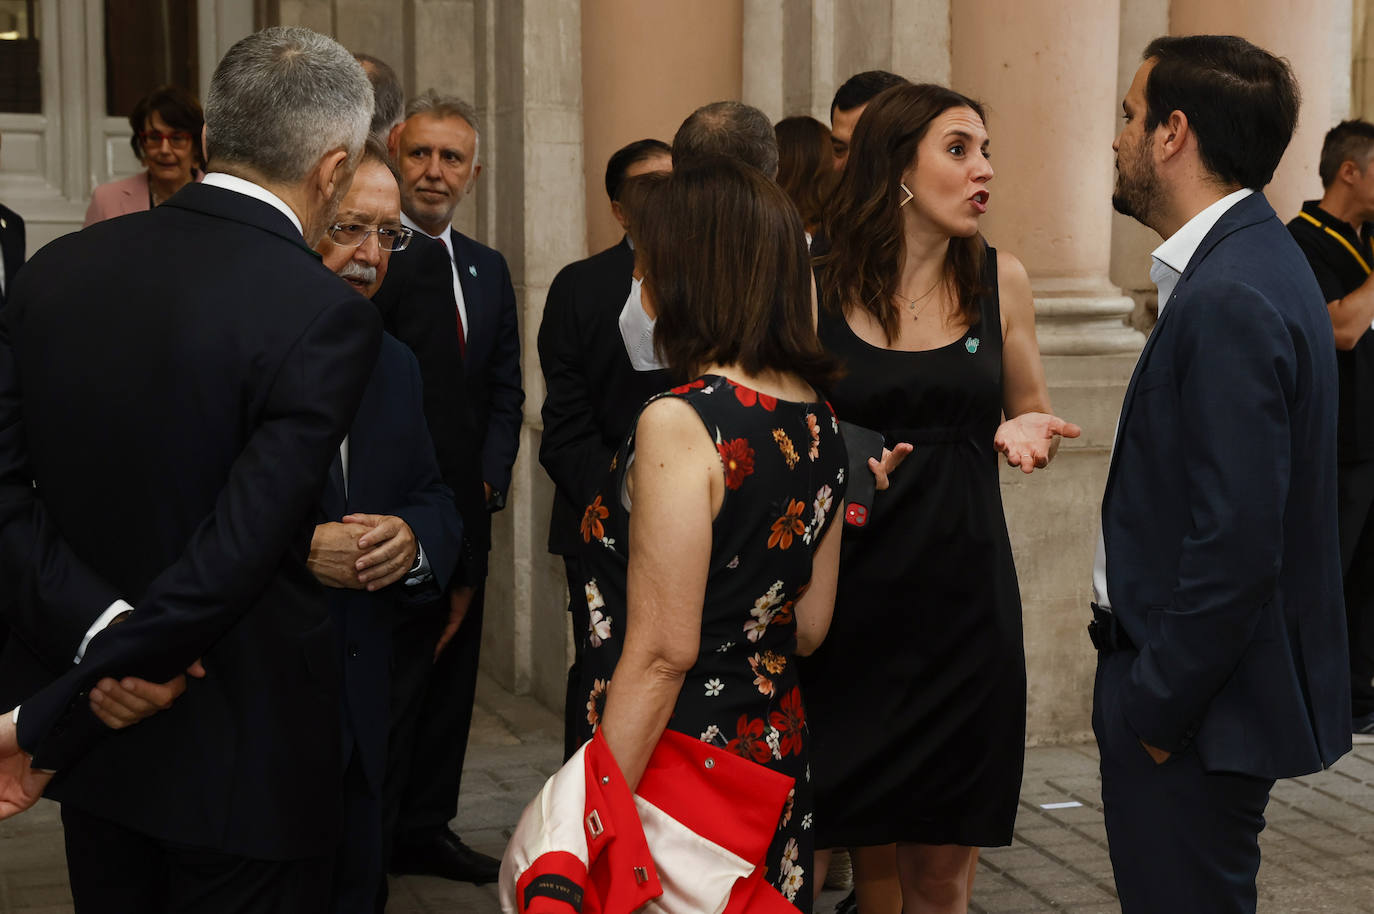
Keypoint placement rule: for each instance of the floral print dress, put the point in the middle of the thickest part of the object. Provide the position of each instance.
(784, 466)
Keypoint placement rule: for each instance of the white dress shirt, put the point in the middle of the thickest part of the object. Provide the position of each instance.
(256, 191)
(446, 239)
(1168, 262)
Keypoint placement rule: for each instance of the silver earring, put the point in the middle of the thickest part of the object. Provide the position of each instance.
(909, 195)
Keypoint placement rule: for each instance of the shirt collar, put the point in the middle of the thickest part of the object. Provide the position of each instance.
(1180, 247)
(1313, 208)
(410, 223)
(1170, 259)
(256, 191)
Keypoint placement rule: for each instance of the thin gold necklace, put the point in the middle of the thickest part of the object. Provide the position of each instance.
(911, 302)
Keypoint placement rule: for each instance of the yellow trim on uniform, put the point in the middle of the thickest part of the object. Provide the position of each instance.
(1337, 235)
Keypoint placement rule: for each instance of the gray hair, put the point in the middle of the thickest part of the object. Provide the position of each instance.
(731, 129)
(387, 96)
(431, 104)
(281, 99)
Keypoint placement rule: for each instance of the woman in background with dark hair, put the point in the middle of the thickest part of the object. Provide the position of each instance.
(806, 170)
(918, 699)
(711, 551)
(167, 125)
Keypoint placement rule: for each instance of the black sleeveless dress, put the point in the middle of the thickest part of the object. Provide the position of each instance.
(917, 698)
(784, 466)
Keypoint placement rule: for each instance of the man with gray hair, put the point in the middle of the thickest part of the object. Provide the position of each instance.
(201, 408)
(731, 129)
(436, 151)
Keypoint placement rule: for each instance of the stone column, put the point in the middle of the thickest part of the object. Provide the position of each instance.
(1047, 72)
(1319, 49)
(531, 208)
(648, 66)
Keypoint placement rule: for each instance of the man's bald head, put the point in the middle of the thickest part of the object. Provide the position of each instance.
(731, 129)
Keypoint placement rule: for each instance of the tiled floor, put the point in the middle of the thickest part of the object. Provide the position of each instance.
(1318, 848)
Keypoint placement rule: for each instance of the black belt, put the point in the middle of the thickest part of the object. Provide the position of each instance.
(1106, 632)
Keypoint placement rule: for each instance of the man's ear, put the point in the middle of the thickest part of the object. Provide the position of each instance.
(619, 213)
(332, 173)
(393, 140)
(1349, 172)
(1172, 136)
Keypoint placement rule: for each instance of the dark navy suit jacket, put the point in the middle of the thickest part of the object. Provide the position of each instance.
(391, 470)
(492, 356)
(1220, 513)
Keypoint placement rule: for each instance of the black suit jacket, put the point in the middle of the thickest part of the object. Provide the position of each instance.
(11, 247)
(391, 470)
(592, 392)
(1220, 513)
(182, 379)
(492, 357)
(417, 307)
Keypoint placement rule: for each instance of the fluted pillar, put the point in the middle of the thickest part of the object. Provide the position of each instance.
(1316, 40)
(1047, 73)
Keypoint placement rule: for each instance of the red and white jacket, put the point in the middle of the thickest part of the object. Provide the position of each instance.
(692, 840)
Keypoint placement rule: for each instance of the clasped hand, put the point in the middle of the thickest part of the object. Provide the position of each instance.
(362, 552)
(1030, 440)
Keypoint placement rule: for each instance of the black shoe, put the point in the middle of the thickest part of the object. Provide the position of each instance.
(442, 853)
(847, 905)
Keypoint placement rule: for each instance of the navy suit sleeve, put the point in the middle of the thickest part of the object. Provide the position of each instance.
(271, 491)
(1235, 371)
(571, 449)
(53, 597)
(428, 506)
(504, 389)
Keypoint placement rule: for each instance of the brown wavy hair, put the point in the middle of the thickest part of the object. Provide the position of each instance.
(805, 171)
(727, 270)
(864, 223)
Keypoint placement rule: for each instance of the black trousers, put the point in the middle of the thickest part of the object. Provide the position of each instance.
(115, 870)
(1355, 510)
(1181, 838)
(358, 871)
(575, 704)
(431, 716)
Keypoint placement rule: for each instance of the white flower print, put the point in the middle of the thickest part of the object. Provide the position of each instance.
(806, 821)
(825, 500)
(734, 563)
(593, 592)
(714, 687)
(792, 881)
(774, 738)
(608, 542)
(725, 647)
(787, 809)
(839, 475)
(712, 734)
(600, 628)
(765, 607)
(791, 851)
(835, 423)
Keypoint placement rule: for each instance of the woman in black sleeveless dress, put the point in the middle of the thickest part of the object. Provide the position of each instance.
(918, 698)
(712, 550)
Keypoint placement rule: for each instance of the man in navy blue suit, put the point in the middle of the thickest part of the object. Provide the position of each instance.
(436, 152)
(389, 534)
(1218, 613)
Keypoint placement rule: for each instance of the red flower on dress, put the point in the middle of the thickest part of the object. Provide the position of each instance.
(738, 459)
(591, 520)
(750, 397)
(691, 385)
(789, 722)
(749, 742)
(787, 526)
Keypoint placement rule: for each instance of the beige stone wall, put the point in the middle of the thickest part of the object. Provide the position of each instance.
(646, 67)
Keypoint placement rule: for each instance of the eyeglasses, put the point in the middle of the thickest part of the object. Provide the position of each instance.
(389, 237)
(152, 139)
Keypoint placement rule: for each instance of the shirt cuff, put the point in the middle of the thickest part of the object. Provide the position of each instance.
(102, 623)
(421, 573)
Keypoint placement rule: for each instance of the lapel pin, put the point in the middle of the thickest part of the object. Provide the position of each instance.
(971, 344)
(472, 271)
